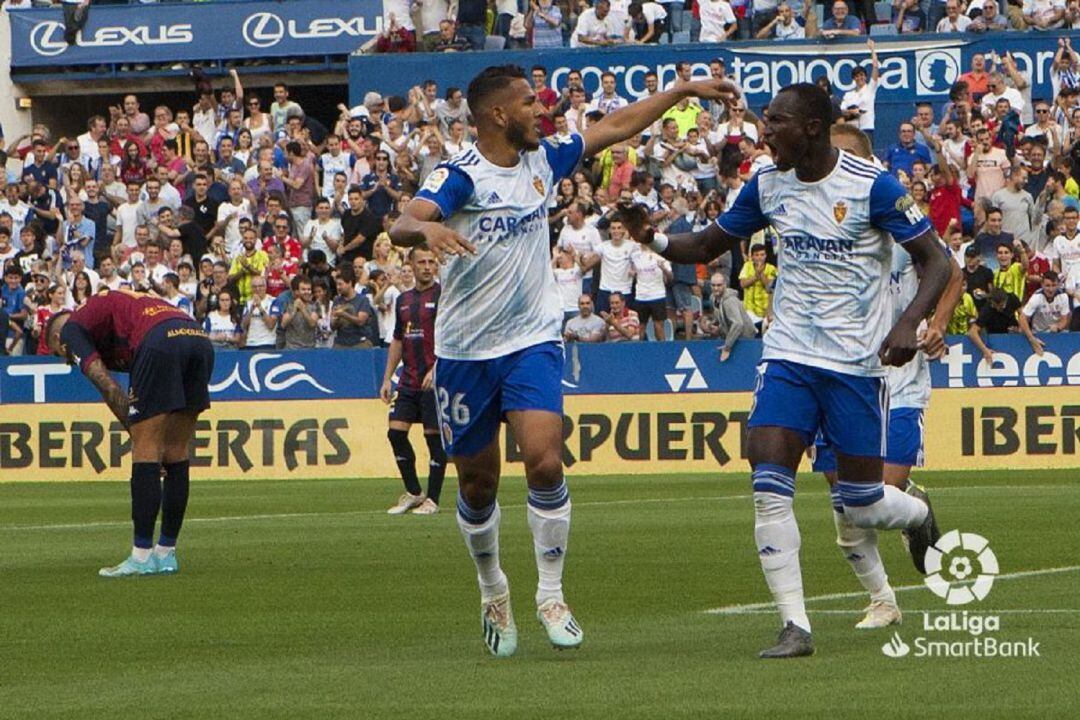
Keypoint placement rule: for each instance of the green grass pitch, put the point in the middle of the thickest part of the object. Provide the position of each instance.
(302, 599)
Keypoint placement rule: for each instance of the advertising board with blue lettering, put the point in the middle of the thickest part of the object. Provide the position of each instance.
(911, 70)
(195, 31)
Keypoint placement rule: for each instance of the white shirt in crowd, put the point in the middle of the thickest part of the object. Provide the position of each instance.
(584, 241)
(1045, 314)
(716, 17)
(588, 25)
(615, 275)
(1068, 253)
(863, 99)
(649, 270)
(569, 281)
(321, 232)
(257, 332)
(1016, 100)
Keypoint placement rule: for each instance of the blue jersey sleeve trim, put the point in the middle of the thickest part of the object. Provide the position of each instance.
(893, 210)
(448, 187)
(744, 218)
(563, 155)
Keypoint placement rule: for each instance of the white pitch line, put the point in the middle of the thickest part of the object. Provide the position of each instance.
(751, 608)
(601, 503)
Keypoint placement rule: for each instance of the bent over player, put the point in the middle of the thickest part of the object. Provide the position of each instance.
(822, 361)
(170, 361)
(498, 332)
(413, 347)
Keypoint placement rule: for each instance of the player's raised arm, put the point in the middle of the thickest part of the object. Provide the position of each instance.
(634, 118)
(420, 223)
(934, 271)
(696, 247)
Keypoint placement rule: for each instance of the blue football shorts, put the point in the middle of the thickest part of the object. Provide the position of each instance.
(904, 446)
(850, 411)
(474, 396)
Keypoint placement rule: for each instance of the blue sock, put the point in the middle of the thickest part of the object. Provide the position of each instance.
(549, 498)
(837, 501)
(775, 479)
(145, 501)
(856, 494)
(473, 516)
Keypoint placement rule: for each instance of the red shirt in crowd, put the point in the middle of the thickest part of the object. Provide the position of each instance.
(291, 248)
(945, 202)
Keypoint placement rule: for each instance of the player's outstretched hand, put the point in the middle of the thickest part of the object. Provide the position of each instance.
(712, 89)
(900, 345)
(933, 343)
(636, 221)
(443, 241)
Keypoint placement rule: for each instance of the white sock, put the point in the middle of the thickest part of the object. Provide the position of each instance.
(778, 542)
(895, 510)
(141, 554)
(859, 546)
(551, 532)
(162, 550)
(483, 543)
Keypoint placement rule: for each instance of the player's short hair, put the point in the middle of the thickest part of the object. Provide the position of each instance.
(491, 81)
(856, 136)
(1050, 275)
(422, 247)
(813, 102)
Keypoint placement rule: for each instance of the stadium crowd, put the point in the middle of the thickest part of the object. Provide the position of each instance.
(270, 227)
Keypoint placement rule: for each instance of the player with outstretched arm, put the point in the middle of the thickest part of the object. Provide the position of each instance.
(497, 335)
(170, 361)
(823, 357)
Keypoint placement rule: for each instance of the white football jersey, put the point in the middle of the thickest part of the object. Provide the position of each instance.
(504, 298)
(831, 300)
(909, 385)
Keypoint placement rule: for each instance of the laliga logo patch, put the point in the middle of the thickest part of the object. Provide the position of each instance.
(951, 568)
(436, 180)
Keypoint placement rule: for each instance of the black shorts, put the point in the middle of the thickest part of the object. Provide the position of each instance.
(171, 371)
(415, 406)
(651, 310)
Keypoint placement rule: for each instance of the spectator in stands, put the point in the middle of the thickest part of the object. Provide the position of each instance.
(352, 315)
(784, 25)
(381, 188)
(597, 26)
(1044, 14)
(987, 167)
(1047, 311)
(472, 22)
(222, 324)
(840, 23)
(954, 21)
(757, 278)
(1011, 275)
(858, 103)
(259, 323)
(904, 154)
(1019, 215)
(908, 17)
(77, 233)
(586, 326)
(301, 317)
(729, 319)
(622, 322)
(646, 21)
(396, 37)
(718, 22)
(651, 275)
(449, 40)
(987, 241)
(990, 20)
(300, 183)
(282, 107)
(249, 264)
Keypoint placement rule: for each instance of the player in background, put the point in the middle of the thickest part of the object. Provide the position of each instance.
(170, 361)
(413, 346)
(823, 356)
(909, 396)
(497, 335)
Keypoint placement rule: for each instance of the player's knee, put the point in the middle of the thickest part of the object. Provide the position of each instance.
(478, 490)
(545, 471)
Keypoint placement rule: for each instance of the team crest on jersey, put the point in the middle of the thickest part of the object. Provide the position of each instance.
(839, 211)
(539, 185)
(436, 179)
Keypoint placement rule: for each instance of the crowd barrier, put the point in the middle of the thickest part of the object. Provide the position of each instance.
(920, 69)
(647, 408)
(195, 31)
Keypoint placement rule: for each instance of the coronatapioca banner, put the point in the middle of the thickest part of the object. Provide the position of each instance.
(920, 70)
(647, 408)
(195, 31)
